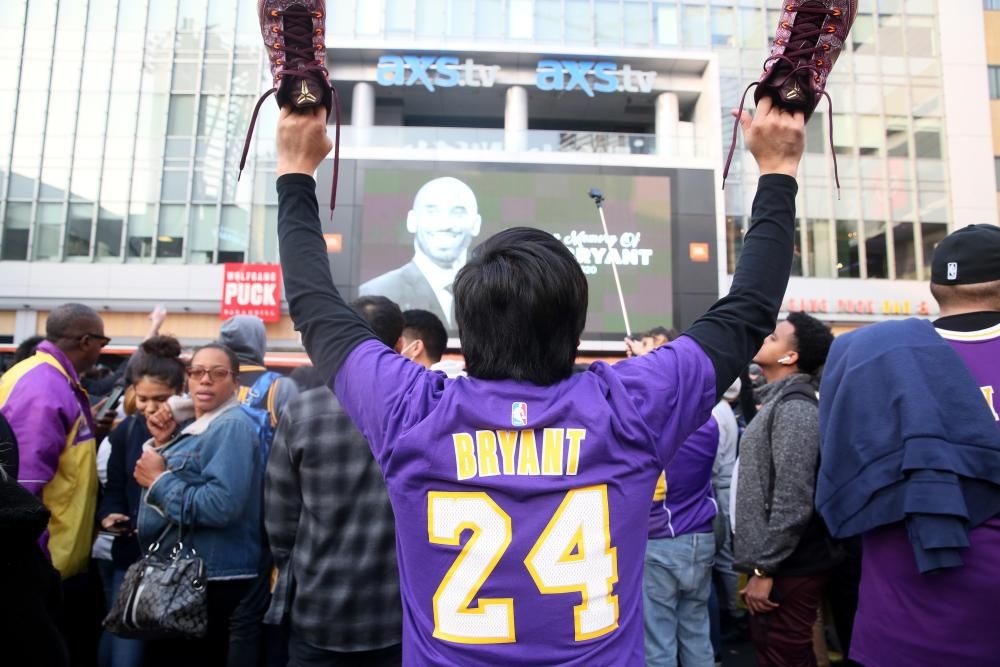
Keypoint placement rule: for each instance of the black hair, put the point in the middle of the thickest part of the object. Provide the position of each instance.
(427, 327)
(27, 348)
(70, 320)
(159, 358)
(383, 316)
(521, 305)
(812, 341)
(234, 361)
(670, 334)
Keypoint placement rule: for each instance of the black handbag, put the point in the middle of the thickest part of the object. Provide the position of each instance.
(162, 596)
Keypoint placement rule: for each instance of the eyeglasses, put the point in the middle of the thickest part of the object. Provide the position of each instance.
(215, 374)
(102, 339)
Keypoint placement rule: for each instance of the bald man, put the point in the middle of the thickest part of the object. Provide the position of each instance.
(56, 432)
(444, 220)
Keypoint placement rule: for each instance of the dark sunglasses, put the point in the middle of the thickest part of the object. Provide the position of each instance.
(215, 374)
(103, 340)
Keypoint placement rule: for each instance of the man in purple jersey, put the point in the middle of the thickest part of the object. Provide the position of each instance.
(921, 603)
(677, 580)
(521, 493)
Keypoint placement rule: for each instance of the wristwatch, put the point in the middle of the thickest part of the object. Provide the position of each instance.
(757, 572)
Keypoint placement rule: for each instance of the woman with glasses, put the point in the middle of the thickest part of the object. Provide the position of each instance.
(201, 477)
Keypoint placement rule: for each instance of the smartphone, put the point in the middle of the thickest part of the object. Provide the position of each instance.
(112, 403)
(122, 524)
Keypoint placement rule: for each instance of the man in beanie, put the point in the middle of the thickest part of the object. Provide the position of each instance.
(910, 413)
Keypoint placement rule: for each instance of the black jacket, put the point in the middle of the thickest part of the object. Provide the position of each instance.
(122, 492)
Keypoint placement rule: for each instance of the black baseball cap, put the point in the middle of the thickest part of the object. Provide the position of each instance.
(968, 256)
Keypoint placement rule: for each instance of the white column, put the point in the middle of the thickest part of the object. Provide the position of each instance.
(667, 118)
(363, 105)
(515, 119)
(25, 325)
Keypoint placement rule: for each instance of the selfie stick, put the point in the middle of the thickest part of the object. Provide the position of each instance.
(598, 198)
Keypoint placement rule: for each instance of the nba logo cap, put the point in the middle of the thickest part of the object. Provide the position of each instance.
(968, 256)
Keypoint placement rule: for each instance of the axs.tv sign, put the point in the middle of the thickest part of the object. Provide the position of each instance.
(588, 76)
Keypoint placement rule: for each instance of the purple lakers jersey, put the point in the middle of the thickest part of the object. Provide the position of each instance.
(521, 511)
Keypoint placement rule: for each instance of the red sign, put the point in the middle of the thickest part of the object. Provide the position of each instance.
(252, 289)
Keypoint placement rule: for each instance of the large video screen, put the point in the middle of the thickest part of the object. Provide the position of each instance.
(419, 224)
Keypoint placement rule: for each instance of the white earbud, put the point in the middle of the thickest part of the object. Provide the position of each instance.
(785, 360)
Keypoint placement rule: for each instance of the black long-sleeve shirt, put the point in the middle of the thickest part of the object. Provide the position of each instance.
(730, 333)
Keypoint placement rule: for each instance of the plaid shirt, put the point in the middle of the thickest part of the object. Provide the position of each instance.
(331, 530)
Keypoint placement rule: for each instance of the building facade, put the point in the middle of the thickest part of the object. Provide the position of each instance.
(122, 123)
(992, 17)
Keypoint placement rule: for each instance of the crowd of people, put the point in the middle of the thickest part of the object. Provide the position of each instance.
(386, 508)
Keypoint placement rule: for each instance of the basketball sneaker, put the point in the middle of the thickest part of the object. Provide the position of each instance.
(809, 39)
(294, 36)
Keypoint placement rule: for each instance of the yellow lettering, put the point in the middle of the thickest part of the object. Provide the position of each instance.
(552, 451)
(988, 392)
(660, 492)
(527, 454)
(576, 436)
(486, 448)
(465, 455)
(508, 446)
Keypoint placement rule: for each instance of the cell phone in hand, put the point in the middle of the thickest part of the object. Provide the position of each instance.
(114, 399)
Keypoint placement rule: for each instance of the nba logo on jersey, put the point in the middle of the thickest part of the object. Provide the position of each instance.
(952, 270)
(519, 414)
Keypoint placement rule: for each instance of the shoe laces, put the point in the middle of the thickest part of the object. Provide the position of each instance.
(808, 25)
(298, 31)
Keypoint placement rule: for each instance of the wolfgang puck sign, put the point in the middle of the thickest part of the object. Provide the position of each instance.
(252, 289)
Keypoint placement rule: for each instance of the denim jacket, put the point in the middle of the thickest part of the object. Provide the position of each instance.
(213, 487)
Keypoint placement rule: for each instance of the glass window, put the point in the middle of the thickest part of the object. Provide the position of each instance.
(871, 134)
(170, 237)
(190, 15)
(215, 77)
(927, 143)
(723, 26)
(905, 251)
(234, 234)
(264, 232)
(797, 253)
(109, 233)
(994, 73)
(180, 118)
(431, 18)
(175, 185)
(932, 234)
(608, 20)
(933, 206)
(369, 18)
(400, 15)
(897, 137)
(876, 257)
(519, 19)
(340, 20)
(817, 135)
(844, 140)
(78, 230)
(848, 258)
(461, 18)
(579, 22)
(489, 18)
(667, 32)
(16, 224)
(185, 77)
(548, 20)
(820, 250)
(752, 33)
(996, 171)
(695, 26)
(202, 235)
(141, 229)
(863, 33)
(636, 23)
(48, 228)
(736, 229)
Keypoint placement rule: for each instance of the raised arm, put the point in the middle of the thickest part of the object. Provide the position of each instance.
(734, 328)
(330, 329)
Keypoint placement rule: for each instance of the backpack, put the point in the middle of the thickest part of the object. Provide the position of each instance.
(258, 401)
(827, 552)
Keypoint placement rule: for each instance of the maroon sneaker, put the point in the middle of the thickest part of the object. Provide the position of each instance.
(810, 36)
(293, 32)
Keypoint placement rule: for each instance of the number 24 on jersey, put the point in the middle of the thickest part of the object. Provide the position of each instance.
(572, 555)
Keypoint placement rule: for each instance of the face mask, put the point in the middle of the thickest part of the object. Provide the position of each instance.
(407, 348)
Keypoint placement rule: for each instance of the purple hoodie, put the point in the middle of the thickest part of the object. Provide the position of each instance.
(689, 503)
